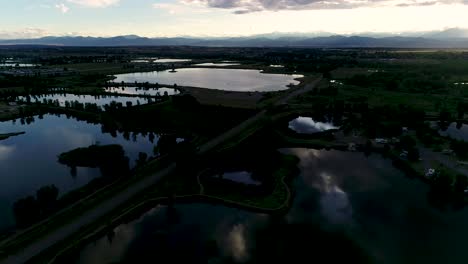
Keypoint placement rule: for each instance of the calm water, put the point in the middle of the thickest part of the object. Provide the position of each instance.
(456, 131)
(240, 176)
(141, 91)
(222, 79)
(14, 64)
(211, 64)
(306, 125)
(29, 161)
(100, 100)
(342, 194)
(157, 60)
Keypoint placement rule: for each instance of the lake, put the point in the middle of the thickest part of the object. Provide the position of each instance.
(143, 91)
(347, 208)
(307, 125)
(222, 79)
(30, 161)
(100, 100)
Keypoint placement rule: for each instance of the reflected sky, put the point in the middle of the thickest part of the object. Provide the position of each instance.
(21, 65)
(158, 233)
(156, 60)
(99, 100)
(219, 64)
(240, 176)
(306, 125)
(386, 212)
(139, 91)
(460, 133)
(221, 79)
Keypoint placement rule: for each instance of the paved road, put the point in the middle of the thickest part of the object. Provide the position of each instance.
(111, 204)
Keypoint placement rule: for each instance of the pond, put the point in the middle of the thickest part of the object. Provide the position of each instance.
(217, 64)
(99, 100)
(30, 161)
(240, 177)
(454, 130)
(307, 125)
(143, 91)
(221, 79)
(347, 207)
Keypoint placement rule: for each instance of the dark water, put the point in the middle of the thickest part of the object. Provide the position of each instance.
(307, 125)
(241, 177)
(346, 206)
(29, 161)
(455, 130)
(221, 79)
(99, 100)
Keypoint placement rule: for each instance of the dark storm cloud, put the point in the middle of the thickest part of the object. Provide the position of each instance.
(248, 6)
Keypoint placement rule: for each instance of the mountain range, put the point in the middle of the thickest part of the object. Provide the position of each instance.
(450, 38)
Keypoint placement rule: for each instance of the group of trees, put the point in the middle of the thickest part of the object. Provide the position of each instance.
(29, 210)
(448, 190)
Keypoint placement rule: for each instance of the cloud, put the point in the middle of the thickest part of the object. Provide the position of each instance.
(94, 3)
(248, 6)
(6, 151)
(171, 8)
(182, 7)
(62, 8)
(25, 33)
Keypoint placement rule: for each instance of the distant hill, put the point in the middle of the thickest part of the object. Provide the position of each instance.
(450, 38)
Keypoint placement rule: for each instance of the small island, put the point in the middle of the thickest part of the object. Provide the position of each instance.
(93, 156)
(8, 135)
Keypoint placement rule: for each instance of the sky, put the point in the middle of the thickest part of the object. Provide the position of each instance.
(216, 18)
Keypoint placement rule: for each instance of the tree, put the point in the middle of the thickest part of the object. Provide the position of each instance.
(47, 198)
(166, 144)
(461, 183)
(142, 157)
(413, 154)
(26, 211)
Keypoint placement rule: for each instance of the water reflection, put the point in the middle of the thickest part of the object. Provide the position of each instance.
(226, 233)
(5, 151)
(29, 161)
(240, 176)
(218, 64)
(157, 60)
(99, 100)
(163, 91)
(456, 130)
(346, 208)
(306, 125)
(222, 79)
(20, 65)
